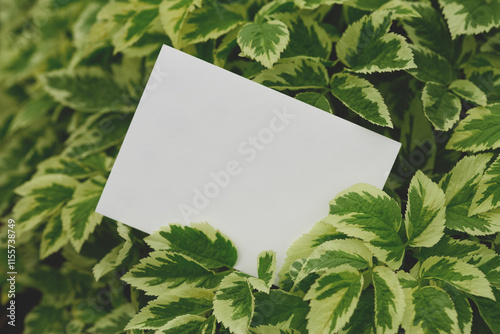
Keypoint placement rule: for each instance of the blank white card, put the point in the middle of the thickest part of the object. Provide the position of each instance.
(206, 145)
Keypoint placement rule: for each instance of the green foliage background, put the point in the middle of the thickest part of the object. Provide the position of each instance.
(421, 256)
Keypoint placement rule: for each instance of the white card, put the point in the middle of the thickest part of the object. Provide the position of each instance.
(208, 145)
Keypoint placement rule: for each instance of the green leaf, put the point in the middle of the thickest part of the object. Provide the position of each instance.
(468, 17)
(43, 197)
(78, 216)
(316, 100)
(266, 271)
(294, 73)
(72, 88)
(389, 300)
(425, 216)
(307, 36)
(333, 298)
(234, 303)
(363, 321)
(200, 242)
(280, 309)
(366, 212)
(45, 319)
(489, 310)
(264, 41)
(170, 305)
(468, 91)
(335, 253)
(461, 275)
(441, 107)
(367, 46)
(114, 321)
(167, 270)
(479, 131)
(431, 67)
(460, 186)
(430, 310)
(53, 237)
(362, 97)
(487, 196)
(428, 29)
(173, 15)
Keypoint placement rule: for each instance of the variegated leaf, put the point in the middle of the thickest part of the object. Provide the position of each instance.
(430, 310)
(72, 88)
(107, 263)
(431, 67)
(316, 100)
(200, 242)
(441, 107)
(170, 305)
(280, 309)
(234, 303)
(362, 97)
(115, 321)
(368, 5)
(363, 321)
(294, 73)
(173, 15)
(467, 90)
(264, 41)
(461, 275)
(428, 29)
(313, 4)
(479, 131)
(167, 270)
(462, 306)
(185, 324)
(43, 197)
(77, 168)
(465, 250)
(335, 253)
(210, 21)
(460, 186)
(425, 216)
(468, 17)
(266, 270)
(367, 46)
(307, 36)
(366, 212)
(53, 238)
(78, 216)
(488, 192)
(135, 26)
(305, 245)
(333, 298)
(389, 300)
